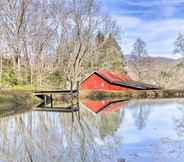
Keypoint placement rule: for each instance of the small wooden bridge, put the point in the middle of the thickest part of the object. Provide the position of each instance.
(47, 96)
(64, 92)
(47, 101)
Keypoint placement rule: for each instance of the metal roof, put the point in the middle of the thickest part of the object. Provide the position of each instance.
(124, 80)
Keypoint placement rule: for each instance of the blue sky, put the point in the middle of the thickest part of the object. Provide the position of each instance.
(157, 22)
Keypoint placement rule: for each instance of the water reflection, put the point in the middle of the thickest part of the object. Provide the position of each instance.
(110, 114)
(179, 121)
(104, 106)
(143, 130)
(141, 115)
(69, 107)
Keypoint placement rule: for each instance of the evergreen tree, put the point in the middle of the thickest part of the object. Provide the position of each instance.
(109, 53)
(99, 38)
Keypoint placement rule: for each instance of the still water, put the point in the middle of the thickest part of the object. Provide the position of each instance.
(103, 131)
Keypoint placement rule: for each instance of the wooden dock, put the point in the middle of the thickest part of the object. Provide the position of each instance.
(67, 109)
(64, 92)
(47, 96)
(47, 101)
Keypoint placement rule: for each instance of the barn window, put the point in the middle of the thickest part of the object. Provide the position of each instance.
(102, 84)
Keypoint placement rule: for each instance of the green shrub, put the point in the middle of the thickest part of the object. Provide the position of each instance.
(180, 65)
(9, 77)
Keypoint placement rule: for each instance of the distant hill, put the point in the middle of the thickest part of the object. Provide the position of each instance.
(166, 72)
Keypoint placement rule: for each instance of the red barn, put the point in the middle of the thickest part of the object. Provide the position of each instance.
(104, 80)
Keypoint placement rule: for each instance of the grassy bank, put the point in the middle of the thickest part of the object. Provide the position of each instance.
(171, 93)
(15, 100)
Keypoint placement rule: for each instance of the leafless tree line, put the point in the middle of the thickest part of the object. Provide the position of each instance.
(42, 37)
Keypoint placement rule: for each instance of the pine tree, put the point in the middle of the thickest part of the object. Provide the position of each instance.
(99, 39)
(109, 54)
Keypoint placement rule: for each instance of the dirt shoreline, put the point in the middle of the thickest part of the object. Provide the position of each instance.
(166, 93)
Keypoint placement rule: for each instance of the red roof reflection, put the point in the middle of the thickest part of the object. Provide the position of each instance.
(104, 106)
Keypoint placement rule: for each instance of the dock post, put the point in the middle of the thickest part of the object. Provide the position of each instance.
(71, 89)
(45, 101)
(51, 101)
(78, 85)
(78, 113)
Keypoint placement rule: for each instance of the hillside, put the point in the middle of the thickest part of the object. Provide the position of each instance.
(166, 72)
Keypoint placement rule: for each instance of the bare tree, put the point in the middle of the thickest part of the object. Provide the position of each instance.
(13, 13)
(139, 54)
(78, 26)
(139, 48)
(27, 30)
(46, 37)
(179, 44)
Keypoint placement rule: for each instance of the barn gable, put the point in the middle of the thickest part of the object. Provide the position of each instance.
(104, 80)
(95, 81)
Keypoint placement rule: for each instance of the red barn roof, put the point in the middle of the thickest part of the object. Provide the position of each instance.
(113, 76)
(121, 80)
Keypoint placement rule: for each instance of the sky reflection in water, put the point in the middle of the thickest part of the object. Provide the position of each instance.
(143, 130)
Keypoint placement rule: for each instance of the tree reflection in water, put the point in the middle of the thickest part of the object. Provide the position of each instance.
(53, 136)
(43, 136)
(179, 121)
(140, 115)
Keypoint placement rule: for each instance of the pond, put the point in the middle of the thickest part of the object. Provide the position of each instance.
(106, 130)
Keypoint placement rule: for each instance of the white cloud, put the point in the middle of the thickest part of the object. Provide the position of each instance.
(159, 35)
(150, 8)
(152, 3)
